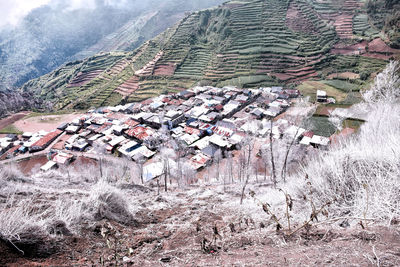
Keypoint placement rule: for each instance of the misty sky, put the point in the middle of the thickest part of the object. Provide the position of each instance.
(12, 11)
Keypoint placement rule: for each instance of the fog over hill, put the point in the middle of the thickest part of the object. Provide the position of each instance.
(38, 36)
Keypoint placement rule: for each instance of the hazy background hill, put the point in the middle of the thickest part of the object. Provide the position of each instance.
(59, 32)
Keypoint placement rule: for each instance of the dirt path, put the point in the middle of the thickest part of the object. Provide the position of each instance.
(12, 119)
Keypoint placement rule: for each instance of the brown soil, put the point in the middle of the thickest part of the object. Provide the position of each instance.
(12, 119)
(61, 142)
(117, 68)
(129, 86)
(296, 21)
(165, 69)
(83, 161)
(376, 49)
(344, 26)
(354, 49)
(32, 164)
(46, 123)
(238, 243)
(325, 111)
(84, 78)
(379, 46)
(282, 76)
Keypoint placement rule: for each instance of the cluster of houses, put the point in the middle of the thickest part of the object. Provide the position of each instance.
(202, 120)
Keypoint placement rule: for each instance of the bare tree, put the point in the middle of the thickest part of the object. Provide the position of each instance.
(228, 168)
(217, 160)
(248, 145)
(100, 149)
(188, 172)
(140, 161)
(265, 157)
(386, 86)
(273, 175)
(301, 119)
(178, 152)
(166, 154)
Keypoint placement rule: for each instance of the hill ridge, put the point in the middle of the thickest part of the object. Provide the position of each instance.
(244, 43)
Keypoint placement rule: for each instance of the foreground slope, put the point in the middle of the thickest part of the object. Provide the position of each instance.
(245, 43)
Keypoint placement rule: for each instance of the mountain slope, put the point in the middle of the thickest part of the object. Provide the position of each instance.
(55, 34)
(243, 43)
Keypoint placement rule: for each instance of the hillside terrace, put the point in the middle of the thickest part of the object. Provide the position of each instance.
(192, 123)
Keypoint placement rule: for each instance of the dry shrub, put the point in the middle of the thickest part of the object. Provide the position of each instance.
(363, 172)
(108, 202)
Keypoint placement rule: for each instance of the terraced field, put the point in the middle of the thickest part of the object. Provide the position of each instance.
(247, 43)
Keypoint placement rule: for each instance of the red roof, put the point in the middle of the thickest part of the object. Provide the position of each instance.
(147, 101)
(139, 132)
(102, 127)
(200, 158)
(166, 100)
(222, 131)
(191, 130)
(132, 123)
(47, 139)
(176, 102)
(219, 107)
(116, 116)
(62, 158)
(309, 134)
(204, 126)
(199, 161)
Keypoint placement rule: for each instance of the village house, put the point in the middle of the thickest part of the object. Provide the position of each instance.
(292, 93)
(205, 120)
(127, 148)
(319, 141)
(199, 161)
(48, 166)
(210, 150)
(322, 96)
(173, 118)
(11, 152)
(142, 152)
(211, 117)
(114, 142)
(186, 94)
(189, 139)
(45, 141)
(307, 137)
(63, 126)
(139, 133)
(230, 108)
(72, 129)
(62, 158)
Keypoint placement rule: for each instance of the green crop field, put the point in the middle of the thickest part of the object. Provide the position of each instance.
(342, 85)
(11, 129)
